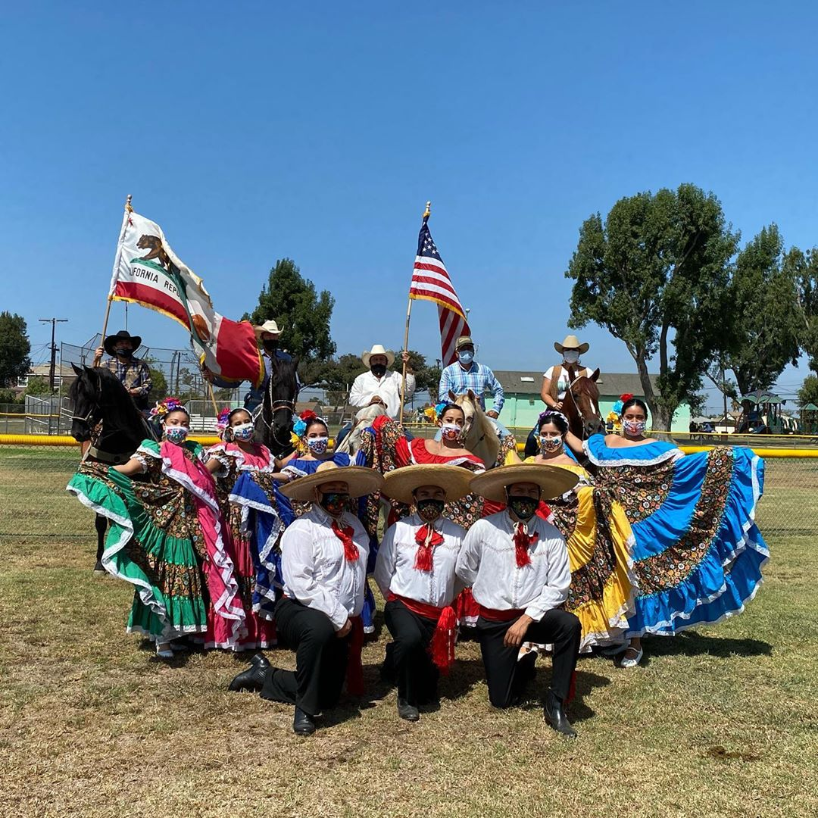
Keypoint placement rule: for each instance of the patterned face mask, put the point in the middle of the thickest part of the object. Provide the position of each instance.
(523, 507)
(550, 444)
(176, 434)
(244, 432)
(450, 431)
(429, 510)
(335, 503)
(634, 428)
(318, 445)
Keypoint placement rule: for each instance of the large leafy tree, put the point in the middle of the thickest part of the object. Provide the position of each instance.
(803, 266)
(302, 313)
(14, 348)
(762, 307)
(808, 392)
(655, 274)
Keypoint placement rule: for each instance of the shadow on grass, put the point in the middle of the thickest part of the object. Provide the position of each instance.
(690, 643)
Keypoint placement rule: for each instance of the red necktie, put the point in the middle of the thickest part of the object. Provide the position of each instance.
(426, 538)
(522, 541)
(344, 534)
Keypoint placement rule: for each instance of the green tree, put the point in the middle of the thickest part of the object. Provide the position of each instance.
(808, 393)
(803, 266)
(302, 314)
(655, 274)
(762, 300)
(14, 348)
(37, 386)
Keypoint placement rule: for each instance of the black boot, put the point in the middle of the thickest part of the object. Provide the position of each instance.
(99, 568)
(555, 715)
(303, 725)
(407, 711)
(252, 678)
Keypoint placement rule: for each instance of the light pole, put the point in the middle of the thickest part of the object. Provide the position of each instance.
(53, 322)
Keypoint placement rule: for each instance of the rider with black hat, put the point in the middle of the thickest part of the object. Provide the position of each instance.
(133, 373)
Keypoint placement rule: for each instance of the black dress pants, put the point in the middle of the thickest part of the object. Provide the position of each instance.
(506, 676)
(416, 673)
(320, 659)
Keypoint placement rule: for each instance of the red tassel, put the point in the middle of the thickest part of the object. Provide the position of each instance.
(572, 689)
(521, 543)
(355, 667)
(441, 648)
(423, 556)
(345, 536)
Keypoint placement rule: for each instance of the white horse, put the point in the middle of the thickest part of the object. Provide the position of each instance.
(363, 418)
(480, 435)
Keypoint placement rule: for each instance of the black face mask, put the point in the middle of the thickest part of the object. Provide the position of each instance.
(335, 503)
(429, 510)
(271, 346)
(523, 507)
(378, 370)
(123, 352)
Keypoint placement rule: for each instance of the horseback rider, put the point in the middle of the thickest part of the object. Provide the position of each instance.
(380, 386)
(466, 373)
(268, 335)
(555, 379)
(133, 373)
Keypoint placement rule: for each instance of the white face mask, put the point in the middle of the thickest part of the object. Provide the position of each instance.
(465, 357)
(550, 443)
(570, 356)
(450, 431)
(243, 432)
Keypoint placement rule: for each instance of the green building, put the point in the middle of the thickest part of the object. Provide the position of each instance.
(523, 403)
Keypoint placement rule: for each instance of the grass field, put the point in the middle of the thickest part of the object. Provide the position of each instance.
(721, 721)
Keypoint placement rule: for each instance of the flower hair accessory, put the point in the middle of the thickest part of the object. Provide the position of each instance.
(166, 406)
(304, 419)
(440, 408)
(550, 413)
(626, 397)
(222, 419)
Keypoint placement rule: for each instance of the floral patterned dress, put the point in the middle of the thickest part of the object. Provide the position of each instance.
(697, 553)
(165, 539)
(233, 461)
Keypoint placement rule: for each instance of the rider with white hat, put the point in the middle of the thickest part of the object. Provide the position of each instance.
(555, 378)
(380, 385)
(267, 336)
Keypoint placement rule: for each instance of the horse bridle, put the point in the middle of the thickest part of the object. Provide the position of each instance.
(277, 406)
(570, 392)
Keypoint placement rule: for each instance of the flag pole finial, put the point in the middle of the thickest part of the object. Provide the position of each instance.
(428, 211)
(128, 203)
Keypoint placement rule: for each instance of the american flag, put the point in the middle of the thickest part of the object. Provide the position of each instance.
(431, 281)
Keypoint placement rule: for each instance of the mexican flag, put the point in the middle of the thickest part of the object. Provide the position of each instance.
(148, 272)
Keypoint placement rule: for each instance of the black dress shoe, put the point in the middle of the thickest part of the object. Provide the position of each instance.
(250, 679)
(99, 568)
(555, 716)
(303, 725)
(407, 711)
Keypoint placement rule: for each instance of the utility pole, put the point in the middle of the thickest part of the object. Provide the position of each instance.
(53, 322)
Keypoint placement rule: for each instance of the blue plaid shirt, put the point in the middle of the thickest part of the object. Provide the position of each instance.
(478, 377)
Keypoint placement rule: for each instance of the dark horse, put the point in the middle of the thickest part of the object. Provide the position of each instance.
(105, 416)
(274, 423)
(580, 406)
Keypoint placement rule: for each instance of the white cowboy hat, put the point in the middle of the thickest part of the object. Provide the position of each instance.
(553, 480)
(359, 480)
(400, 483)
(571, 342)
(268, 326)
(378, 350)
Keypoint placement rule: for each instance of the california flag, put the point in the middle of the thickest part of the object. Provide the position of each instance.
(148, 272)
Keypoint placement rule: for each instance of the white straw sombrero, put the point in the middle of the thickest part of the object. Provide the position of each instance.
(553, 480)
(359, 480)
(400, 483)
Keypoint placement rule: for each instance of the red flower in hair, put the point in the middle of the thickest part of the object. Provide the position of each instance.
(626, 397)
(308, 414)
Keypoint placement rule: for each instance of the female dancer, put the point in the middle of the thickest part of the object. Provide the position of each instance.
(696, 550)
(597, 534)
(225, 461)
(166, 537)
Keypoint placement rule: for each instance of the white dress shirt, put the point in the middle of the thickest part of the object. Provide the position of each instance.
(387, 388)
(395, 567)
(488, 563)
(315, 570)
(562, 381)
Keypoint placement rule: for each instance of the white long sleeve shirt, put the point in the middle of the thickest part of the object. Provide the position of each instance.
(315, 570)
(366, 386)
(395, 566)
(488, 563)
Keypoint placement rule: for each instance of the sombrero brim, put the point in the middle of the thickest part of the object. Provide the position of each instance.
(582, 348)
(400, 483)
(108, 343)
(553, 480)
(361, 481)
(390, 358)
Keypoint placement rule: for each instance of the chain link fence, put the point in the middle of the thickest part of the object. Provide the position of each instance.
(35, 508)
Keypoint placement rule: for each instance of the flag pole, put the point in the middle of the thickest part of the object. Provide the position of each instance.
(128, 209)
(213, 399)
(426, 214)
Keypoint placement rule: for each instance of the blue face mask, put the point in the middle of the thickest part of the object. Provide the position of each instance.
(465, 357)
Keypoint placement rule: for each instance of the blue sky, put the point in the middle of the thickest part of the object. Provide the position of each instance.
(255, 130)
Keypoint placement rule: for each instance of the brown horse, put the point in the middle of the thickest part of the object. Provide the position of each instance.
(581, 405)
